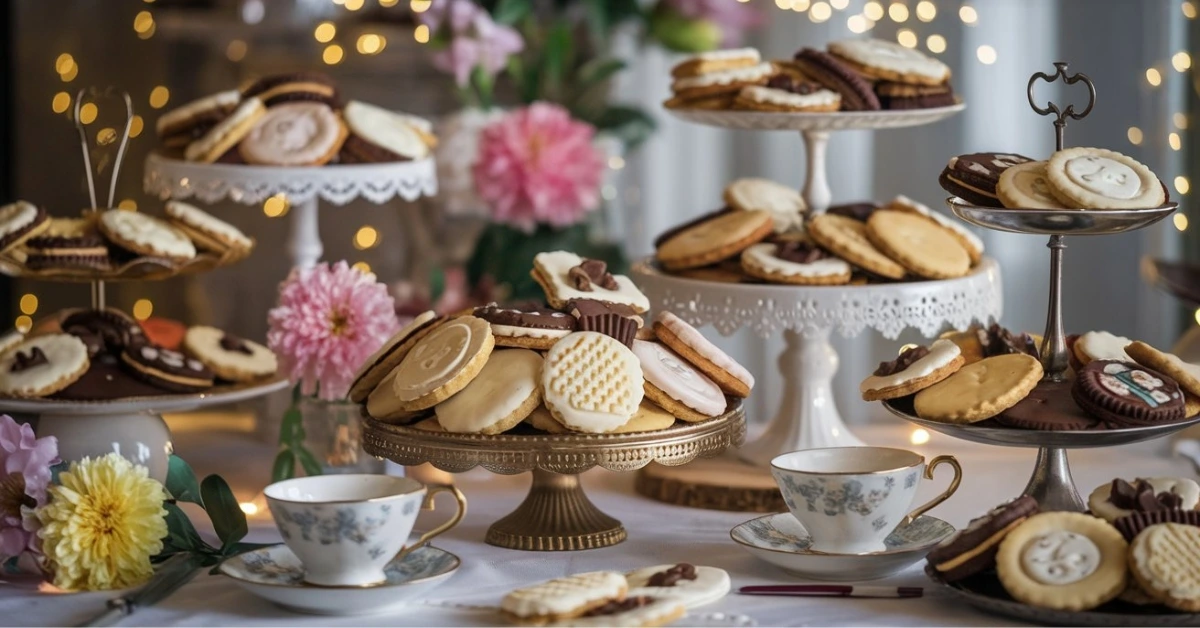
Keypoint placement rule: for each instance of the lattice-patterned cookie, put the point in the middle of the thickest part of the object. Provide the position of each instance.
(591, 382)
(563, 598)
(1165, 560)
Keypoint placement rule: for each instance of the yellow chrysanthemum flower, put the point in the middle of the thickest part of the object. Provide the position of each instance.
(104, 521)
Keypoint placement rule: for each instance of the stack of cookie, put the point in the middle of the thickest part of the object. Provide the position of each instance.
(992, 377)
(1139, 547)
(104, 355)
(762, 235)
(105, 240)
(1074, 178)
(853, 75)
(291, 120)
(583, 363)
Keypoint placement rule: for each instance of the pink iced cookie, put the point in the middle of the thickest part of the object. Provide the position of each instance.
(733, 378)
(681, 384)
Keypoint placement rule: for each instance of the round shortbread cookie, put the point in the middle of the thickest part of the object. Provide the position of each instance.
(227, 133)
(1095, 178)
(1101, 505)
(716, 61)
(440, 364)
(20, 221)
(205, 229)
(294, 134)
(1101, 345)
(715, 240)
(1165, 560)
(591, 382)
(980, 390)
(42, 365)
(889, 60)
(971, 242)
(846, 238)
(227, 356)
(1024, 186)
(687, 341)
(563, 598)
(763, 261)
(912, 372)
(785, 204)
(389, 130)
(1063, 560)
(388, 357)
(1186, 374)
(920, 245)
(669, 372)
(501, 396)
(704, 586)
(145, 235)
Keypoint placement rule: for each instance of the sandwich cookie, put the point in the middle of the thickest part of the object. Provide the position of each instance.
(785, 204)
(722, 83)
(388, 357)
(296, 87)
(920, 245)
(592, 383)
(181, 126)
(799, 263)
(438, 366)
(563, 598)
(676, 385)
(915, 369)
(716, 61)
(566, 277)
(105, 378)
(973, 549)
(824, 68)
(715, 240)
(68, 243)
(687, 341)
(690, 584)
(847, 239)
(146, 235)
(786, 93)
(167, 369)
(20, 221)
(1125, 394)
(504, 393)
(1025, 186)
(231, 358)
(1102, 179)
(226, 134)
(1121, 498)
(294, 134)
(889, 61)
(379, 135)
(905, 96)
(980, 390)
(974, 177)
(1064, 561)
(42, 365)
(205, 230)
(531, 328)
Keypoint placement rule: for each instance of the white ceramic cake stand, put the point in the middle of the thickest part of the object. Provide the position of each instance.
(302, 186)
(815, 128)
(807, 415)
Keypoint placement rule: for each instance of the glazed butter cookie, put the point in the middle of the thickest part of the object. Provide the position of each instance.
(690, 584)
(1127, 394)
(676, 385)
(146, 235)
(915, 369)
(43, 365)
(687, 341)
(230, 358)
(1165, 560)
(981, 390)
(166, 369)
(563, 598)
(847, 239)
(388, 357)
(920, 245)
(1025, 186)
(1120, 498)
(439, 365)
(530, 328)
(1095, 178)
(888, 60)
(1063, 560)
(785, 204)
(718, 239)
(1101, 345)
(591, 382)
(566, 276)
(973, 549)
(800, 263)
(503, 394)
(20, 221)
(226, 134)
(1186, 374)
(649, 417)
(205, 230)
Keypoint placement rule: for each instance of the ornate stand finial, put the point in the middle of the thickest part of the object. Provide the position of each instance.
(1060, 121)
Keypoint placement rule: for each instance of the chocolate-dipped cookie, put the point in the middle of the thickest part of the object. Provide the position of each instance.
(900, 96)
(166, 369)
(827, 70)
(532, 327)
(106, 379)
(115, 329)
(1125, 394)
(973, 549)
(1132, 525)
(973, 177)
(610, 319)
(68, 243)
(1049, 406)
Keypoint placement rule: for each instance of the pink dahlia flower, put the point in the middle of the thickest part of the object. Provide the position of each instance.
(24, 476)
(329, 319)
(537, 165)
(475, 39)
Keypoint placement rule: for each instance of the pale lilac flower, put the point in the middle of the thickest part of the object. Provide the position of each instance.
(475, 40)
(24, 476)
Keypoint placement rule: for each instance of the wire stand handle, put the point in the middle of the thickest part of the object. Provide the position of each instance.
(1060, 121)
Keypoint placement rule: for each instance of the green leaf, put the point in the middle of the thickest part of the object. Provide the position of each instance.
(631, 125)
(604, 15)
(181, 534)
(284, 467)
(558, 52)
(181, 481)
(599, 70)
(223, 510)
(506, 255)
(308, 461)
(511, 11)
(291, 428)
(242, 548)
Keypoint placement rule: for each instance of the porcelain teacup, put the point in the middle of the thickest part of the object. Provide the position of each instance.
(850, 498)
(346, 528)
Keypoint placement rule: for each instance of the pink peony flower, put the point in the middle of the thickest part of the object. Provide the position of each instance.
(537, 165)
(475, 39)
(733, 18)
(329, 319)
(25, 473)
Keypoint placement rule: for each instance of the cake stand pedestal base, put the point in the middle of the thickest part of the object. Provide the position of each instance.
(555, 516)
(723, 483)
(142, 437)
(1051, 483)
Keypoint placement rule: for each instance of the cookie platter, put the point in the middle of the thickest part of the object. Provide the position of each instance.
(817, 121)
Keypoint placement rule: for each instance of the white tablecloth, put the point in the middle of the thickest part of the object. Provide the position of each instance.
(658, 534)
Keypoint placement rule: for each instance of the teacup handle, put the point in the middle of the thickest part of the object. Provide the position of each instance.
(427, 504)
(933, 464)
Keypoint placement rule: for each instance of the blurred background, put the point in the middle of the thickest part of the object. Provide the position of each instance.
(658, 171)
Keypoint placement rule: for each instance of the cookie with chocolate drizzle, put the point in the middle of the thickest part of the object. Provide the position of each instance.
(915, 369)
(42, 365)
(795, 262)
(690, 584)
(229, 357)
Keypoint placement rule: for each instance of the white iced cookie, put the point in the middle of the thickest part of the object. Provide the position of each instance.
(227, 356)
(206, 230)
(145, 235)
(1025, 186)
(392, 131)
(563, 598)
(773, 99)
(1060, 557)
(553, 272)
(20, 221)
(1101, 505)
(971, 242)
(671, 381)
(1095, 178)
(294, 134)
(751, 73)
(692, 585)
(10, 340)
(889, 60)
(42, 366)
(785, 204)
(632, 612)
(760, 260)
(716, 60)
(504, 393)
(1101, 345)
(1063, 560)
(943, 360)
(591, 382)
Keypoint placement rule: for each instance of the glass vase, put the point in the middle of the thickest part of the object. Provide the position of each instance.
(333, 434)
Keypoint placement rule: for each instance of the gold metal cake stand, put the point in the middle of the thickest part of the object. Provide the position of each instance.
(556, 514)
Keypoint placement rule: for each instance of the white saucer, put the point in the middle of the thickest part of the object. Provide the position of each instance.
(275, 574)
(780, 540)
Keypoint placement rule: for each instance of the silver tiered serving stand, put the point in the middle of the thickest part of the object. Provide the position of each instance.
(1051, 482)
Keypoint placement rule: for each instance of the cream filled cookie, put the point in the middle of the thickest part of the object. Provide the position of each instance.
(785, 204)
(389, 136)
(716, 61)
(690, 584)
(769, 98)
(1096, 178)
(229, 357)
(145, 235)
(914, 370)
(226, 134)
(724, 81)
(294, 134)
(180, 126)
(43, 365)
(166, 369)
(880, 59)
(504, 393)
(567, 277)
(531, 328)
(206, 230)
(20, 221)
(676, 385)
(799, 263)
(591, 382)
(68, 243)
(687, 341)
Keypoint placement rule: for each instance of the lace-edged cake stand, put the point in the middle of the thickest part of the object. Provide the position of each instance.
(556, 514)
(303, 187)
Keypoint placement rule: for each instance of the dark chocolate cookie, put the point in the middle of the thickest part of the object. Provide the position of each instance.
(114, 328)
(106, 379)
(1049, 406)
(858, 211)
(894, 95)
(87, 251)
(166, 369)
(973, 177)
(610, 319)
(825, 69)
(1125, 394)
(973, 549)
(356, 150)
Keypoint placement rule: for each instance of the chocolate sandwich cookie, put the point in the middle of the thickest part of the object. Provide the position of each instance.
(356, 150)
(1132, 525)
(611, 319)
(973, 549)
(894, 95)
(1125, 394)
(859, 211)
(973, 177)
(20, 221)
(825, 69)
(68, 243)
(1050, 407)
(526, 326)
(166, 369)
(294, 87)
(181, 126)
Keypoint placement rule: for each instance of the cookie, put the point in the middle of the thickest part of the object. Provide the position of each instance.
(1063, 560)
(795, 263)
(981, 390)
(42, 365)
(914, 370)
(847, 239)
(615, 321)
(591, 382)
(785, 204)
(542, 419)
(166, 369)
(973, 177)
(920, 245)
(649, 417)
(1049, 407)
(969, 241)
(230, 358)
(205, 230)
(716, 102)
(105, 379)
(973, 549)
(68, 243)
(563, 598)
(226, 134)
(1126, 394)
(1121, 498)
(692, 585)
(180, 126)
(1025, 186)
(145, 235)
(680, 228)
(113, 328)
(439, 365)
(722, 82)
(1101, 345)
(860, 211)
(783, 94)
(20, 221)
(1187, 375)
(1133, 524)
(631, 612)
(687, 341)
(716, 61)
(968, 344)
(673, 383)
(1165, 560)
(566, 276)
(529, 327)
(888, 60)
(10, 339)
(501, 396)
(835, 75)
(388, 357)
(294, 134)
(906, 96)
(297, 86)
(721, 238)
(1096, 178)
(728, 271)
(386, 135)
(996, 340)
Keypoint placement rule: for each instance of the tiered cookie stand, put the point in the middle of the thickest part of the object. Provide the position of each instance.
(1051, 482)
(556, 514)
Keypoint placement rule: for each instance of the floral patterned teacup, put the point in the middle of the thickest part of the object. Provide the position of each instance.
(850, 498)
(346, 528)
